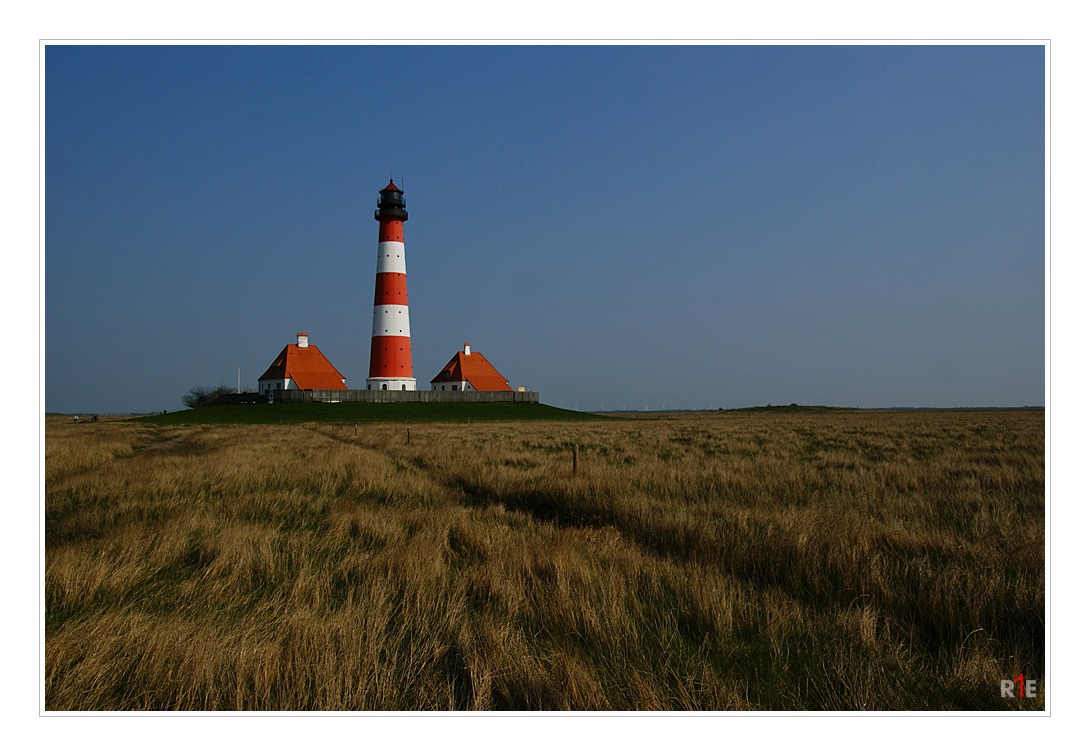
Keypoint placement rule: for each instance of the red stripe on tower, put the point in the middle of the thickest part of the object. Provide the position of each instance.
(391, 351)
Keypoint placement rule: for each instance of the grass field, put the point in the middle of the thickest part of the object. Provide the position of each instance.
(859, 560)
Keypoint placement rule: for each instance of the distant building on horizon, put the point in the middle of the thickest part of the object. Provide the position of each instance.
(469, 371)
(300, 366)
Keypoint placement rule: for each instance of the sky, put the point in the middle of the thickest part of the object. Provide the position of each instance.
(613, 226)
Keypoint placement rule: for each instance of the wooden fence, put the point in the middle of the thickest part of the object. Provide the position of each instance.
(362, 395)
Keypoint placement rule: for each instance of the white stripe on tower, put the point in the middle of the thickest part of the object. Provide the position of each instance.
(390, 320)
(391, 257)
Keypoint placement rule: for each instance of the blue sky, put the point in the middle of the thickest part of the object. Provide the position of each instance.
(613, 226)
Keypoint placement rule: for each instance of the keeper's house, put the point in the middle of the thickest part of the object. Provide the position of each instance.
(469, 371)
(301, 366)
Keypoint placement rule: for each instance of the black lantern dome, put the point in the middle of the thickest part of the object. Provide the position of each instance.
(391, 203)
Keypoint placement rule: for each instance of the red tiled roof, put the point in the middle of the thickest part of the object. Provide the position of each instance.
(474, 368)
(307, 367)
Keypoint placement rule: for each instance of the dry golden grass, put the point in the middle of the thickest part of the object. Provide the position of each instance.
(843, 560)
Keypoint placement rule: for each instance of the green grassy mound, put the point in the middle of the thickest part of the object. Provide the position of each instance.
(789, 408)
(364, 412)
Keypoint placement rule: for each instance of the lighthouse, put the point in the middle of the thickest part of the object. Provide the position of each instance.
(391, 353)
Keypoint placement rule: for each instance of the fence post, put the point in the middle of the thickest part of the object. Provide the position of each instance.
(575, 459)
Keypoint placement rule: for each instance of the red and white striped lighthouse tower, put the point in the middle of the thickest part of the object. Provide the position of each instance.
(391, 353)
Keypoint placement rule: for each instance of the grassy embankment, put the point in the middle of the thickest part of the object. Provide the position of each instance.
(857, 560)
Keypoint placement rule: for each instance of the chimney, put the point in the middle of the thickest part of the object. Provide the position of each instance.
(301, 340)
(467, 347)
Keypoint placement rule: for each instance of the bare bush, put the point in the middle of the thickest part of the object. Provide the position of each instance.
(199, 396)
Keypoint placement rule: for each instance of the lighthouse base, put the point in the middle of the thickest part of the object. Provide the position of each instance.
(391, 384)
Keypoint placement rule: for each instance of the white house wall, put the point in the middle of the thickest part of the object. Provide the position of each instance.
(453, 386)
